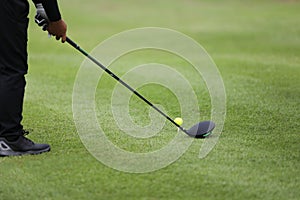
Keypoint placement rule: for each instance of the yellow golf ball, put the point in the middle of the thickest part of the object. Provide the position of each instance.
(178, 121)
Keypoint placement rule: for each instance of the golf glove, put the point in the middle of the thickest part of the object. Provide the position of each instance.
(41, 17)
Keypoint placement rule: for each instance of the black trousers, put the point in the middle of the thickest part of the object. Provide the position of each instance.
(13, 64)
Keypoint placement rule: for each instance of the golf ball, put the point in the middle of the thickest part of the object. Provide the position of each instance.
(178, 121)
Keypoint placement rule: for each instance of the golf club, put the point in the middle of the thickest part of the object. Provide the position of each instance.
(199, 130)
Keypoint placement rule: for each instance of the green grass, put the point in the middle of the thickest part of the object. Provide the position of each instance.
(255, 45)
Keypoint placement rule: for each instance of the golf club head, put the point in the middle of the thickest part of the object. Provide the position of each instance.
(201, 130)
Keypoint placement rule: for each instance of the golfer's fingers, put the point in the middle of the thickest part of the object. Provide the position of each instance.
(64, 38)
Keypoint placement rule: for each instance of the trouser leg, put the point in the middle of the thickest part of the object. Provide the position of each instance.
(11, 105)
(13, 64)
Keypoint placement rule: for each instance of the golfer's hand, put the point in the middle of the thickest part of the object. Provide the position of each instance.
(58, 29)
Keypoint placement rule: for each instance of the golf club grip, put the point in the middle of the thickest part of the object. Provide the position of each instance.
(71, 42)
(76, 46)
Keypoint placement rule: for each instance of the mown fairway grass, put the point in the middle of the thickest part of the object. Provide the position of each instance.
(256, 46)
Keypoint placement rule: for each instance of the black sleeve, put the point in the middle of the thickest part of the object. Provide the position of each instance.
(37, 1)
(51, 8)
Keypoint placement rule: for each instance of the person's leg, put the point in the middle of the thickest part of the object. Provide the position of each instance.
(13, 64)
(11, 103)
(13, 67)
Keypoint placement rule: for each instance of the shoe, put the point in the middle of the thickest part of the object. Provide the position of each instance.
(21, 146)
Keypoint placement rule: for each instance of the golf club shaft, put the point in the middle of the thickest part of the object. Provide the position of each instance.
(72, 43)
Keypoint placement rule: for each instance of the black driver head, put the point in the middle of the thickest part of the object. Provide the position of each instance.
(201, 130)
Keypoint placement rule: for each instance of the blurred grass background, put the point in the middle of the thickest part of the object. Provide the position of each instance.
(255, 45)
